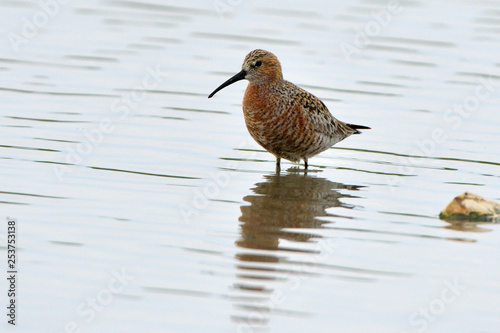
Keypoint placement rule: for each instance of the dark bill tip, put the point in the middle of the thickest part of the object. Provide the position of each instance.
(240, 76)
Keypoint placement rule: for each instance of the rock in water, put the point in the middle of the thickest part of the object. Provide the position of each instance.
(471, 207)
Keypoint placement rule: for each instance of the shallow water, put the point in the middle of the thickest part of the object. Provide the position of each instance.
(144, 206)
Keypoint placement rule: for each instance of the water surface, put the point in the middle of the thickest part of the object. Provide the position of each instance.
(144, 206)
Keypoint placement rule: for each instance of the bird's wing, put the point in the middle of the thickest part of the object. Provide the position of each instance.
(321, 119)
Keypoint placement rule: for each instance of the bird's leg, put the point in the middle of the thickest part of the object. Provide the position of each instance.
(278, 167)
(305, 162)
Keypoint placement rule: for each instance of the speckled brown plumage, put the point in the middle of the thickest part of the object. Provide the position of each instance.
(286, 120)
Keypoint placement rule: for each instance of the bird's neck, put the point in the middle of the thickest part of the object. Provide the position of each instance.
(258, 96)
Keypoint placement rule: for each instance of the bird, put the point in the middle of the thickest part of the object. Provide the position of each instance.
(286, 120)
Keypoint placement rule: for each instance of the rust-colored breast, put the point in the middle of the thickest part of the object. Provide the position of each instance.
(277, 122)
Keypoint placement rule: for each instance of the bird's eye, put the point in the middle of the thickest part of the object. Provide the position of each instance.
(258, 63)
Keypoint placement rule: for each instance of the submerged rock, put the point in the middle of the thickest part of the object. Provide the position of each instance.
(471, 207)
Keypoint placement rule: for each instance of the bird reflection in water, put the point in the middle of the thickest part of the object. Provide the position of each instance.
(294, 200)
(277, 209)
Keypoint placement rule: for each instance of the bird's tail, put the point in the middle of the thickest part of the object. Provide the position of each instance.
(357, 127)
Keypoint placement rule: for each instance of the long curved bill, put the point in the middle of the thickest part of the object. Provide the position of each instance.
(240, 76)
